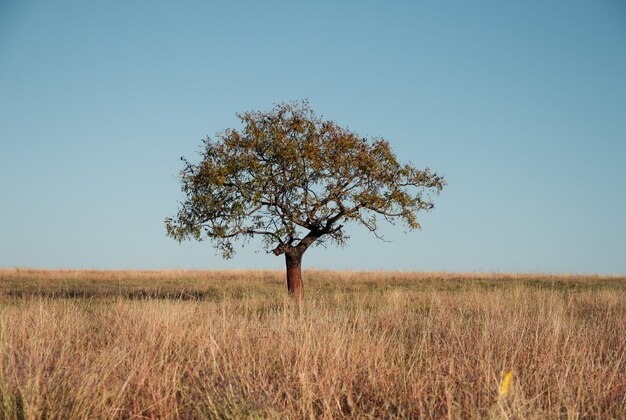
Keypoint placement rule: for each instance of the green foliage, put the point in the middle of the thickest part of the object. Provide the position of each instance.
(295, 179)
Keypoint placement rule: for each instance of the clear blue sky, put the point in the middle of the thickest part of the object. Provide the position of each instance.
(521, 105)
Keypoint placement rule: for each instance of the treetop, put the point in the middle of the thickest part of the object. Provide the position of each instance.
(295, 179)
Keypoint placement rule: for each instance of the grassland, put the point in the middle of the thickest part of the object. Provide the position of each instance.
(125, 344)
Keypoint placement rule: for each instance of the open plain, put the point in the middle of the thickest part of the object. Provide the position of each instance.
(181, 344)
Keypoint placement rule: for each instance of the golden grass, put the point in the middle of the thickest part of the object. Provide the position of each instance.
(173, 344)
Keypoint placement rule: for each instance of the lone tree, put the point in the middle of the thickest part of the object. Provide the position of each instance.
(295, 179)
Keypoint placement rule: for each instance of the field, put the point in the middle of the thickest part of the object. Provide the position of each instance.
(124, 344)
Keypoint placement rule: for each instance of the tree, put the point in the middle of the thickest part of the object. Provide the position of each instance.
(295, 180)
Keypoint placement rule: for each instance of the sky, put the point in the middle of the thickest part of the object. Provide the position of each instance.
(520, 105)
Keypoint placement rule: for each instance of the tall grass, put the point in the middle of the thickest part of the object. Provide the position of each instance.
(230, 344)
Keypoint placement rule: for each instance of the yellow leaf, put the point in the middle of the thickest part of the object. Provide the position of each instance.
(504, 384)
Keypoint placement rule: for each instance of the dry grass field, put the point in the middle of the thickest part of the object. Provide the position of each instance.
(189, 344)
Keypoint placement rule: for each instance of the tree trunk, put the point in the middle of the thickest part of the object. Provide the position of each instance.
(294, 275)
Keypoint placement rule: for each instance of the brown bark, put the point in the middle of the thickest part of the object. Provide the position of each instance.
(294, 275)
